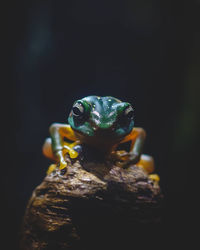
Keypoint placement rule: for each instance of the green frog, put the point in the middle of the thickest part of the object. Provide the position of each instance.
(103, 123)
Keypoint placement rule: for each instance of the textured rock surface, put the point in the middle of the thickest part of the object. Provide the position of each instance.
(92, 206)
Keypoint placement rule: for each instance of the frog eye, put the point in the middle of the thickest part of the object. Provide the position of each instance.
(126, 116)
(78, 110)
(129, 112)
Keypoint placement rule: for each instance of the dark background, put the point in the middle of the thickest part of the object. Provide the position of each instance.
(145, 52)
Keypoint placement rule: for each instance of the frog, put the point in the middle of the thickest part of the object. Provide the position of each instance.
(103, 123)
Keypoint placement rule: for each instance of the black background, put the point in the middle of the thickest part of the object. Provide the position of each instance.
(145, 52)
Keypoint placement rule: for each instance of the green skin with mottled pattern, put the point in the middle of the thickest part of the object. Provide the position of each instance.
(101, 122)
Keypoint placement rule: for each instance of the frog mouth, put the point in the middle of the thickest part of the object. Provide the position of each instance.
(100, 136)
(106, 133)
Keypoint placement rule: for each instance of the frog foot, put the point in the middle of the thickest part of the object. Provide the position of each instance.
(51, 168)
(62, 165)
(73, 154)
(154, 177)
(68, 148)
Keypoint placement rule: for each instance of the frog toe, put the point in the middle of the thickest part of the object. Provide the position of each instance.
(51, 168)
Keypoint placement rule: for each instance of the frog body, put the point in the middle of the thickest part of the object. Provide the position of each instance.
(103, 123)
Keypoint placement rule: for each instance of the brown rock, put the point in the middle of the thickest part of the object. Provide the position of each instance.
(92, 206)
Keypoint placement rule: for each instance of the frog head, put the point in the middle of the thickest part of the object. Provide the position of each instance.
(96, 119)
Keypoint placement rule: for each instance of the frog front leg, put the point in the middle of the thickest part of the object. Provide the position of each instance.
(55, 147)
(136, 137)
(135, 156)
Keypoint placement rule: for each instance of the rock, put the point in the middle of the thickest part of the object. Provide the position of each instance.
(92, 206)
